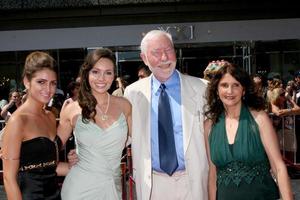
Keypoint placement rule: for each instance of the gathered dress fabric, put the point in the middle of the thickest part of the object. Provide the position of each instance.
(243, 169)
(97, 174)
(37, 174)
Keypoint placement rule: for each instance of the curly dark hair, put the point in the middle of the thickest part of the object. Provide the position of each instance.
(86, 99)
(214, 107)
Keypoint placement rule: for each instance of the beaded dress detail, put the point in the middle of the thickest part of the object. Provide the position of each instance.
(243, 169)
(37, 173)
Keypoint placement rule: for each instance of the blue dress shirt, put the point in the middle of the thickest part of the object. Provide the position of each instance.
(173, 91)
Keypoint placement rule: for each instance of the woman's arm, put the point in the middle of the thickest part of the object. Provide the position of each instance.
(12, 140)
(63, 167)
(296, 109)
(212, 174)
(4, 111)
(275, 109)
(65, 128)
(287, 111)
(128, 113)
(271, 145)
(127, 110)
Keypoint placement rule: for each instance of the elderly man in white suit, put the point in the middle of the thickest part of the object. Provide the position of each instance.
(188, 180)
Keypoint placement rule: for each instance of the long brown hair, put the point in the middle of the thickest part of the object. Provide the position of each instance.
(214, 107)
(86, 99)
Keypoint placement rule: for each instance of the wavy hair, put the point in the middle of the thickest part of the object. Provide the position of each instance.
(86, 99)
(214, 107)
(275, 83)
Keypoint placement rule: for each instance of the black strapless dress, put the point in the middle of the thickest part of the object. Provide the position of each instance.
(37, 176)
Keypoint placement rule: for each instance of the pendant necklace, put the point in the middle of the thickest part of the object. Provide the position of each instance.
(104, 115)
(231, 121)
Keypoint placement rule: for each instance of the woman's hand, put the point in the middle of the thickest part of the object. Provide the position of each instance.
(72, 158)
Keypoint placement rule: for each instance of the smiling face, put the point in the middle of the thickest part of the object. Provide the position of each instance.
(230, 91)
(42, 85)
(160, 57)
(101, 76)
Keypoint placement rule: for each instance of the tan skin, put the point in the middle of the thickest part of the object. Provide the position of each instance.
(160, 58)
(14, 99)
(278, 109)
(230, 92)
(100, 79)
(75, 92)
(30, 121)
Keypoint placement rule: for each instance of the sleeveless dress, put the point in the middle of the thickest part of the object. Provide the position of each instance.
(37, 175)
(243, 169)
(97, 174)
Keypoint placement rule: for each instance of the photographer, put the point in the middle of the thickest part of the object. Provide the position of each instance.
(14, 103)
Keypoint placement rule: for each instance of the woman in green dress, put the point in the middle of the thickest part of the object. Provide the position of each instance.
(242, 146)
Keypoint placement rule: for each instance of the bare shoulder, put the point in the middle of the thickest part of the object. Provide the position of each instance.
(208, 122)
(72, 106)
(16, 123)
(122, 101)
(71, 110)
(67, 102)
(123, 104)
(259, 116)
(17, 118)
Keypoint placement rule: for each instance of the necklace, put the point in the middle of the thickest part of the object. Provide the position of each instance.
(232, 121)
(104, 115)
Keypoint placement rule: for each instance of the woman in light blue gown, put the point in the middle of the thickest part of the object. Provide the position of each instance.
(101, 124)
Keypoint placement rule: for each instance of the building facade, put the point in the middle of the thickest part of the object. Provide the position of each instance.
(261, 36)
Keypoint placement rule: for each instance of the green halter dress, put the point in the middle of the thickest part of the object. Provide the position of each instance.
(243, 169)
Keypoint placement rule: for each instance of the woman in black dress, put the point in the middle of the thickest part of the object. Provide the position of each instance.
(30, 144)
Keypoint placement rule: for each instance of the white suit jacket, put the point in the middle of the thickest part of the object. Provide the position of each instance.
(196, 163)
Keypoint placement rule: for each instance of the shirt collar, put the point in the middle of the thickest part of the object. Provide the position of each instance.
(170, 83)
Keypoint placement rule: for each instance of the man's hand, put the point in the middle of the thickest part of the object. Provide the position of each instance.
(72, 158)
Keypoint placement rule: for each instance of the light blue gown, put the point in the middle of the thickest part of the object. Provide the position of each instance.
(97, 174)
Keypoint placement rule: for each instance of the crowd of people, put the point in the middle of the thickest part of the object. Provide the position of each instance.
(191, 138)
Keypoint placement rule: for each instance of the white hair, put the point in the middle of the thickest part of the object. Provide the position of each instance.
(152, 34)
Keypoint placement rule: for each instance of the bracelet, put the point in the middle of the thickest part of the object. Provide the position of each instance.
(6, 158)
